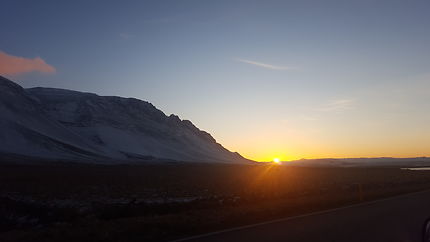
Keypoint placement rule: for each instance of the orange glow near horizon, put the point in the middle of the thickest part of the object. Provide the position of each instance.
(288, 151)
(330, 135)
(292, 156)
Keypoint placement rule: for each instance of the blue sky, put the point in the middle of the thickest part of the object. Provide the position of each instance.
(290, 79)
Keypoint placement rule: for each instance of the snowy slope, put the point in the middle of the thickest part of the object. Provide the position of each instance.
(26, 129)
(51, 122)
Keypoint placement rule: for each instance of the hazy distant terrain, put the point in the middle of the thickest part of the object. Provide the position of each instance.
(56, 123)
(363, 162)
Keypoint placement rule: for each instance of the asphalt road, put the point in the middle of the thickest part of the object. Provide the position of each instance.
(394, 219)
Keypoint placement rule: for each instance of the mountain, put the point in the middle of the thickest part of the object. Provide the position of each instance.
(64, 124)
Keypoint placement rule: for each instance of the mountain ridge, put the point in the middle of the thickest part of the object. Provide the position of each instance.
(45, 121)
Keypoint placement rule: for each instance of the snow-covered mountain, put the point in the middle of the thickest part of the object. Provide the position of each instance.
(58, 123)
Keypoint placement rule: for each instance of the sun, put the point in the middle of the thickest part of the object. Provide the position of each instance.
(276, 160)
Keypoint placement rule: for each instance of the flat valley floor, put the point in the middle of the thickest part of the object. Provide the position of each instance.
(163, 202)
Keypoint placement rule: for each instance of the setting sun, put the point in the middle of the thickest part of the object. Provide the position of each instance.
(276, 160)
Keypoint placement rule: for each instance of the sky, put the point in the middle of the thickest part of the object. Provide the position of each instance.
(287, 79)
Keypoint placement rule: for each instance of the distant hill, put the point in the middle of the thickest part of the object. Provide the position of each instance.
(362, 162)
(64, 124)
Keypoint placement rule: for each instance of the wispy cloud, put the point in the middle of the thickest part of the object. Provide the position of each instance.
(158, 20)
(125, 36)
(13, 65)
(338, 105)
(265, 65)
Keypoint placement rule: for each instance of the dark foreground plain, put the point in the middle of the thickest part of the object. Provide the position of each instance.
(399, 218)
(153, 202)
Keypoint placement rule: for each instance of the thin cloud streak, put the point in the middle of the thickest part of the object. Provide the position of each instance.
(265, 65)
(125, 36)
(13, 65)
(338, 105)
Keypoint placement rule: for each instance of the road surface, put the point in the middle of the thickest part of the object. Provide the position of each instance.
(394, 219)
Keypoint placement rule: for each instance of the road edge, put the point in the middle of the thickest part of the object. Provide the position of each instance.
(297, 216)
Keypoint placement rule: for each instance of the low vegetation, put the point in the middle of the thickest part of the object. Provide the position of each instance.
(76, 202)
